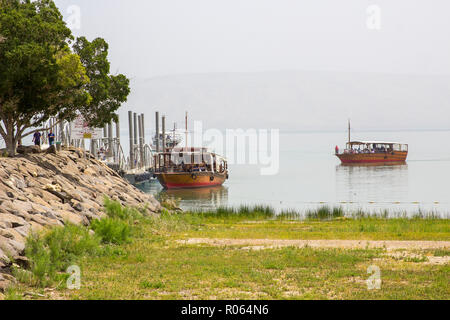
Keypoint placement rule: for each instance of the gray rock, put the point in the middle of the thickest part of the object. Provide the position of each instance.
(28, 149)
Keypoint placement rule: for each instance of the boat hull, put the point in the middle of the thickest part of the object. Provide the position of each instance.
(190, 180)
(393, 157)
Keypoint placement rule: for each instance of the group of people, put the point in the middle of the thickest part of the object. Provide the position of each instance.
(37, 138)
(382, 149)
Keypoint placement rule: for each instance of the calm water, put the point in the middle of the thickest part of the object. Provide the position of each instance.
(311, 176)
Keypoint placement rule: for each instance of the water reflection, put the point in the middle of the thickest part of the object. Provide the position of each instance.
(372, 184)
(190, 199)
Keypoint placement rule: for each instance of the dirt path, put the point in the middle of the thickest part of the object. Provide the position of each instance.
(257, 244)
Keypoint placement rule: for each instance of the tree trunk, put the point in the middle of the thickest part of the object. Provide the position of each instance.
(10, 141)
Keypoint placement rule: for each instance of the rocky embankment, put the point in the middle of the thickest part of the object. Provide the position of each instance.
(40, 190)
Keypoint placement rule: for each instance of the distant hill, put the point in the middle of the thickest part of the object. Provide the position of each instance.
(298, 100)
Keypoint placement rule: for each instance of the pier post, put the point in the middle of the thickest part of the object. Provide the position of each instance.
(163, 133)
(144, 160)
(130, 128)
(135, 138)
(141, 146)
(157, 131)
(143, 128)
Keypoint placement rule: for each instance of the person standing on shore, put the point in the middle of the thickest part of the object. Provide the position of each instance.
(37, 138)
(51, 138)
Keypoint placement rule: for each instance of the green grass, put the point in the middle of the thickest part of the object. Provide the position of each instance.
(112, 230)
(51, 253)
(208, 225)
(153, 265)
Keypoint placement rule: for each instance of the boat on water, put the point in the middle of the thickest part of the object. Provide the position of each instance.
(190, 167)
(372, 152)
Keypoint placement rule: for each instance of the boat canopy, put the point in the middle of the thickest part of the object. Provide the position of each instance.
(375, 142)
(383, 145)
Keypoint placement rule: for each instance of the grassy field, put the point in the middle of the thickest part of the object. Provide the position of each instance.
(151, 263)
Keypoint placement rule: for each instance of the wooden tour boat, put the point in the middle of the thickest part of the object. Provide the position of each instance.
(190, 168)
(363, 152)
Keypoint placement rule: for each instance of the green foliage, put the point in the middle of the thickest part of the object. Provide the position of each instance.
(41, 77)
(34, 38)
(112, 230)
(325, 213)
(243, 211)
(12, 293)
(108, 92)
(116, 211)
(145, 284)
(55, 251)
(117, 227)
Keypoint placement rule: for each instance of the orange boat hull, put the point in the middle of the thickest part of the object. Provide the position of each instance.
(190, 180)
(393, 157)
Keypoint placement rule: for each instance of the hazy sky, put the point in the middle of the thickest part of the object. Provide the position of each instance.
(383, 63)
(159, 37)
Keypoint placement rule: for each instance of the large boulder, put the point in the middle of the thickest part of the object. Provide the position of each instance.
(51, 149)
(28, 149)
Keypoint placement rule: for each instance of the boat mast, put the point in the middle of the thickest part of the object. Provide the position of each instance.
(349, 131)
(186, 124)
(173, 136)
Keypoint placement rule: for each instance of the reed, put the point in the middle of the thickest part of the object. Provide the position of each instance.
(243, 211)
(321, 213)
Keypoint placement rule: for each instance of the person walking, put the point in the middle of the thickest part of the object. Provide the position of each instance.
(51, 138)
(37, 138)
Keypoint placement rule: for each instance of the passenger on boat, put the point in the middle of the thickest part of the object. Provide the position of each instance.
(336, 149)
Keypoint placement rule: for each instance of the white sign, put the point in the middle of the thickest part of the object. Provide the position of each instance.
(81, 130)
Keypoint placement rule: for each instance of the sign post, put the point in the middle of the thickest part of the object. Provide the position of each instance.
(81, 130)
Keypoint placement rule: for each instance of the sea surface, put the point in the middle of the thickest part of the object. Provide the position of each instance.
(310, 176)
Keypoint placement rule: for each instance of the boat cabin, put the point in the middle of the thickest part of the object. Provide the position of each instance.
(189, 160)
(374, 147)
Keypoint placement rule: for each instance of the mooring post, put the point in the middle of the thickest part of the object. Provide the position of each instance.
(140, 140)
(130, 132)
(163, 133)
(157, 131)
(143, 128)
(135, 138)
(144, 160)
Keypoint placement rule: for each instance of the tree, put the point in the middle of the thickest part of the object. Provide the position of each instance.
(34, 55)
(108, 92)
(40, 77)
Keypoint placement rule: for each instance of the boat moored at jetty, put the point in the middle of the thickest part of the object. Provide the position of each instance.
(190, 168)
